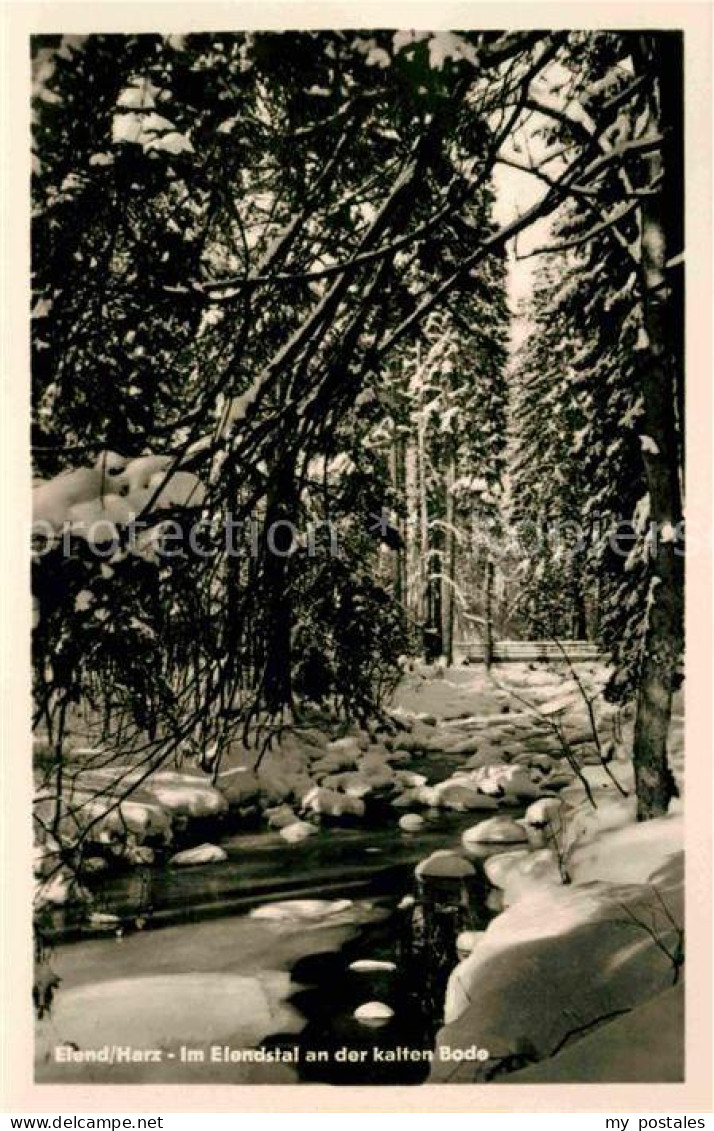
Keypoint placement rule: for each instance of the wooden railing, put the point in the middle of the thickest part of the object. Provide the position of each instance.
(527, 650)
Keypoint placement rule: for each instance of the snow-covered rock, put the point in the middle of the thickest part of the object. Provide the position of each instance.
(521, 758)
(457, 745)
(407, 779)
(373, 1013)
(91, 865)
(186, 795)
(59, 890)
(567, 696)
(282, 778)
(239, 786)
(461, 796)
(372, 966)
(412, 743)
(444, 864)
(352, 782)
(316, 739)
(378, 778)
(202, 854)
(83, 814)
(299, 909)
(514, 780)
(544, 822)
(331, 803)
(482, 756)
(491, 788)
(544, 763)
(297, 831)
(411, 822)
(341, 754)
(558, 779)
(408, 798)
(103, 920)
(137, 854)
(144, 820)
(374, 765)
(280, 817)
(397, 757)
(348, 745)
(495, 830)
(425, 795)
(539, 677)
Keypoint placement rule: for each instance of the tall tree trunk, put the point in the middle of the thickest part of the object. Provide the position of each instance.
(436, 615)
(280, 515)
(411, 534)
(664, 634)
(488, 614)
(424, 548)
(399, 482)
(580, 615)
(449, 601)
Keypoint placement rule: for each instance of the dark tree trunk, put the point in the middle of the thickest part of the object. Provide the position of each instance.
(488, 615)
(436, 617)
(398, 482)
(580, 613)
(449, 591)
(280, 517)
(664, 634)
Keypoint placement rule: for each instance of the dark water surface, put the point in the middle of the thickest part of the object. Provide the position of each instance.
(195, 925)
(338, 862)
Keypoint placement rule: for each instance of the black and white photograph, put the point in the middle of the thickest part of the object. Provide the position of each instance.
(358, 401)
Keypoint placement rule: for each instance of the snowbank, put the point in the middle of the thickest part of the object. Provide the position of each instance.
(645, 1045)
(167, 1010)
(561, 960)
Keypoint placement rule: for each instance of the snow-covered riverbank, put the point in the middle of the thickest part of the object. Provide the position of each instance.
(584, 980)
(458, 743)
(558, 960)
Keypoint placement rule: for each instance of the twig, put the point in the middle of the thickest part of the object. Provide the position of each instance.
(591, 715)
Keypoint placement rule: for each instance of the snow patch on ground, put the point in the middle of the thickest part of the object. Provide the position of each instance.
(562, 959)
(169, 1010)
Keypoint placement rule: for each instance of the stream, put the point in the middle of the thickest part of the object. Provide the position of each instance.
(191, 967)
(191, 979)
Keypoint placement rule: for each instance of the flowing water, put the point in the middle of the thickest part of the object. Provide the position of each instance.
(190, 966)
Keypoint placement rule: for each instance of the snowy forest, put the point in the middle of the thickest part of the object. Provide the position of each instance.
(357, 563)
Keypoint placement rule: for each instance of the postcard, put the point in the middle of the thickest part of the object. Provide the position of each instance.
(358, 444)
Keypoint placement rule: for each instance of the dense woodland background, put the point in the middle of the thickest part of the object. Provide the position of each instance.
(272, 260)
